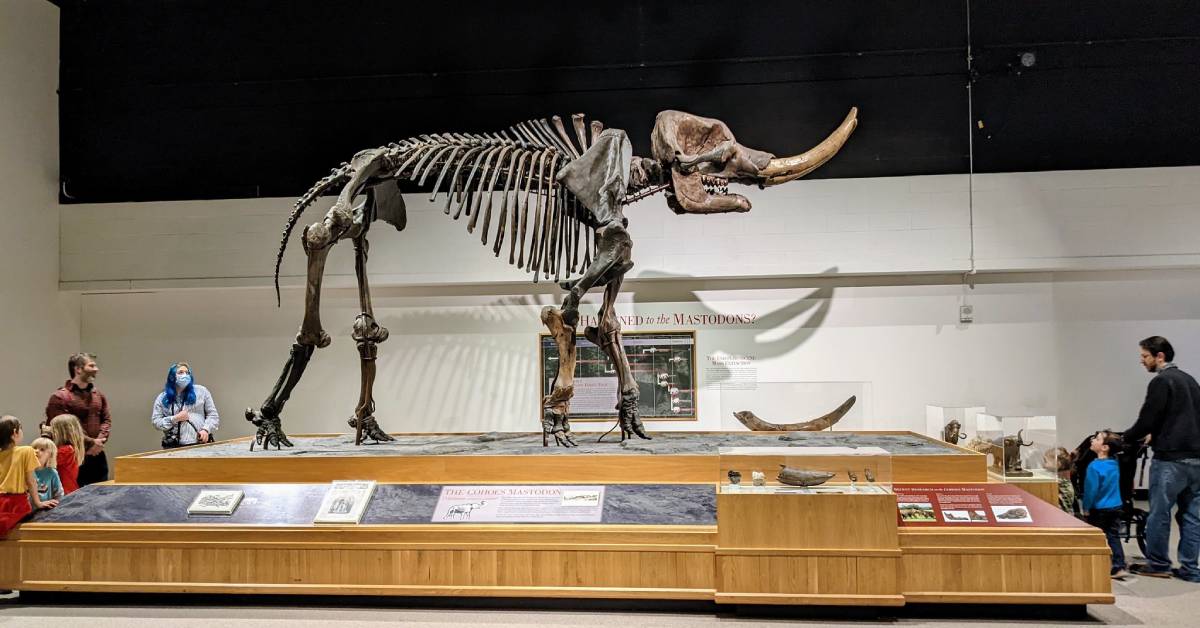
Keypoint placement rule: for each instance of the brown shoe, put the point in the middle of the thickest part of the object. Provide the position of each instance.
(1142, 569)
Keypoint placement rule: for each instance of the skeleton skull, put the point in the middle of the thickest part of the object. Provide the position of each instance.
(702, 157)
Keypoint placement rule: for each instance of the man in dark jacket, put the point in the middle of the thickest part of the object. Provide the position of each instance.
(1170, 416)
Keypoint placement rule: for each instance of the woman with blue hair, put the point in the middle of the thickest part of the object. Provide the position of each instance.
(184, 410)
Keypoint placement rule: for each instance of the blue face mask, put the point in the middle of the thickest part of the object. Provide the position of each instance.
(182, 381)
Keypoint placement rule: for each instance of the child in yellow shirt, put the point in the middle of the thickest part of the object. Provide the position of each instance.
(18, 485)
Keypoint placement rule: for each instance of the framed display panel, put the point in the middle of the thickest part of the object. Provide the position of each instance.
(663, 365)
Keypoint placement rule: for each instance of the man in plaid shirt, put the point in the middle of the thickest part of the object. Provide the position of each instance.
(78, 396)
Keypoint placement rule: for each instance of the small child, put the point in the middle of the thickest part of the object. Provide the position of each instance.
(48, 485)
(18, 486)
(1059, 461)
(72, 444)
(1102, 496)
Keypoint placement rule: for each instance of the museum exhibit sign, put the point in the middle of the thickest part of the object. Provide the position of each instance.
(662, 364)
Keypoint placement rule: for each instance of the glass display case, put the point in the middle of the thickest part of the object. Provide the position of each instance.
(950, 423)
(1019, 446)
(791, 406)
(805, 470)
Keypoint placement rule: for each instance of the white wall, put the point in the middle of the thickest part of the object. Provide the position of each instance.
(470, 363)
(1063, 344)
(1072, 220)
(1100, 319)
(39, 326)
(858, 284)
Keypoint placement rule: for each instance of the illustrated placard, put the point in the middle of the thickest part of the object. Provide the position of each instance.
(520, 504)
(215, 503)
(345, 501)
(967, 505)
(663, 365)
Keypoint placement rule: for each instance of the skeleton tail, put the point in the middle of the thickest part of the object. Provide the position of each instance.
(336, 176)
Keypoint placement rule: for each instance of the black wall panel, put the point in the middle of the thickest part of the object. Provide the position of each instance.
(188, 99)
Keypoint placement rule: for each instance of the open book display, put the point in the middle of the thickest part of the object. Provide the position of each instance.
(215, 503)
(345, 501)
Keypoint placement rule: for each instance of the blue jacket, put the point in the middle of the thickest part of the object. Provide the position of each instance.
(1102, 485)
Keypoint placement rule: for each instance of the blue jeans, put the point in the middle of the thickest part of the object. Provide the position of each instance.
(1109, 520)
(1174, 482)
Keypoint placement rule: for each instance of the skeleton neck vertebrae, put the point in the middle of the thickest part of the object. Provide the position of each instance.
(556, 198)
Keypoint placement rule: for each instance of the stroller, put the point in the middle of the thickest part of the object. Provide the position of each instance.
(1132, 462)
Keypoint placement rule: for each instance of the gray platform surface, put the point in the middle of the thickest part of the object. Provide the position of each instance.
(296, 504)
(516, 443)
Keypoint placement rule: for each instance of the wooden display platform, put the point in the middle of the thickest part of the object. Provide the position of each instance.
(804, 549)
(1006, 566)
(578, 561)
(807, 549)
(617, 468)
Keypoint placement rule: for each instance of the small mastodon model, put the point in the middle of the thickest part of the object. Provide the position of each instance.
(556, 199)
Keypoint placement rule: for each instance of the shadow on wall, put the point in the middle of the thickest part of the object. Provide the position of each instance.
(477, 378)
(475, 368)
(815, 304)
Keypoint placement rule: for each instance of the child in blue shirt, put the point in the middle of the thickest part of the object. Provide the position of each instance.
(1102, 496)
(49, 485)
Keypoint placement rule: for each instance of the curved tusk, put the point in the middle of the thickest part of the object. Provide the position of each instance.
(784, 169)
(755, 424)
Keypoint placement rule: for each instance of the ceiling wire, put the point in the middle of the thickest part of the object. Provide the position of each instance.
(969, 276)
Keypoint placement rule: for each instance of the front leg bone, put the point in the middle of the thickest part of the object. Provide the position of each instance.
(607, 336)
(267, 420)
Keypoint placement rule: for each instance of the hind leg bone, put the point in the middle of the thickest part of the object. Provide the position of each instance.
(613, 249)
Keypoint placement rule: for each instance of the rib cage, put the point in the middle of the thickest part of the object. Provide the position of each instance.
(549, 231)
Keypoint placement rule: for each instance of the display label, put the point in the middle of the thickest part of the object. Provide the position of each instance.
(215, 503)
(520, 504)
(345, 501)
(991, 505)
(593, 395)
(662, 364)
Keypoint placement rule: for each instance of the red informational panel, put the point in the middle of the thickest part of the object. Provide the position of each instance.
(990, 505)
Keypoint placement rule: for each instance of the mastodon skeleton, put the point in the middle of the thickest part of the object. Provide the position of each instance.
(557, 199)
